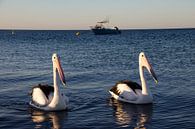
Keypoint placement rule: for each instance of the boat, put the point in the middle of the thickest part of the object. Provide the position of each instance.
(101, 29)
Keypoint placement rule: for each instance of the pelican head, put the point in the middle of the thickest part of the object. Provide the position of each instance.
(145, 64)
(57, 66)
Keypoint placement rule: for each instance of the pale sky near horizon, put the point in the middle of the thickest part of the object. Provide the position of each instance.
(80, 14)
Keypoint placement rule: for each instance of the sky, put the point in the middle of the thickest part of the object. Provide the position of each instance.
(80, 14)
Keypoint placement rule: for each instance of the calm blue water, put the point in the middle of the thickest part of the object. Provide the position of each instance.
(92, 65)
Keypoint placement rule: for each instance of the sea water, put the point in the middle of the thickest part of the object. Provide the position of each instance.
(92, 65)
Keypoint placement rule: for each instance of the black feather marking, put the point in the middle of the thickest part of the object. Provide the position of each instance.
(130, 84)
(45, 88)
(115, 90)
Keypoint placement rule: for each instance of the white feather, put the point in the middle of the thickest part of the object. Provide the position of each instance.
(126, 92)
(39, 97)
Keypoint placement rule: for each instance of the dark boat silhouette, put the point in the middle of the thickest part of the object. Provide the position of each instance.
(100, 29)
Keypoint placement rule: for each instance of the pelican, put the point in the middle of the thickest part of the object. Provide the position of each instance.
(132, 92)
(50, 98)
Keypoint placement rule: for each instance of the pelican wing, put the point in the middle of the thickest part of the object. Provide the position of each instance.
(126, 90)
(41, 94)
(132, 85)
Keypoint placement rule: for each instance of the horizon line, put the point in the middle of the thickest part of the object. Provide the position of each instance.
(164, 28)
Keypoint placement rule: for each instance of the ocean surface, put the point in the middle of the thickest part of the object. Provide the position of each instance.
(92, 65)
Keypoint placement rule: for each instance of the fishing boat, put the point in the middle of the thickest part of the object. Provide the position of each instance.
(101, 29)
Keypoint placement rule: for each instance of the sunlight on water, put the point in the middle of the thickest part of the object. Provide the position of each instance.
(126, 114)
(56, 119)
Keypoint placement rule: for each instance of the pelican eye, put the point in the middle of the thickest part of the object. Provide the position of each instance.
(142, 55)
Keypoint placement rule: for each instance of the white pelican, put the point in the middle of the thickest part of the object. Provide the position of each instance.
(50, 98)
(132, 92)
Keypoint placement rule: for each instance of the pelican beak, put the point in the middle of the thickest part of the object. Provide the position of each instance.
(150, 69)
(60, 71)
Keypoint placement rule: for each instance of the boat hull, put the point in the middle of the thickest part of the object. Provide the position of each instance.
(106, 31)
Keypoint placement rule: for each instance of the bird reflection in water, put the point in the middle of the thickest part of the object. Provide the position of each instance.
(53, 120)
(131, 115)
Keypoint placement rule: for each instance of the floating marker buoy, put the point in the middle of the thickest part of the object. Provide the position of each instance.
(77, 33)
(13, 32)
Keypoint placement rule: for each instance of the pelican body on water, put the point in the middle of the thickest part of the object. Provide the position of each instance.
(50, 98)
(132, 92)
